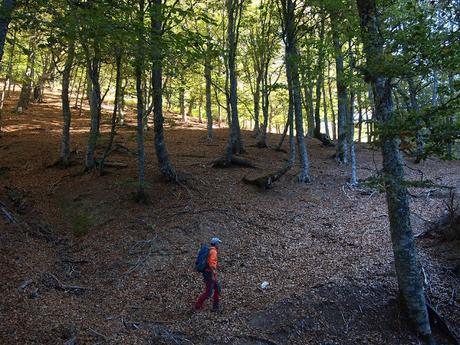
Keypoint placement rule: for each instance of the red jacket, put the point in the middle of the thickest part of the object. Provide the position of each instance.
(212, 258)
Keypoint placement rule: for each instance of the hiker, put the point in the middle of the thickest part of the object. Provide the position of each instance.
(212, 286)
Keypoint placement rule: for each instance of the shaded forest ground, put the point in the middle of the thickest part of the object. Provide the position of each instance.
(86, 263)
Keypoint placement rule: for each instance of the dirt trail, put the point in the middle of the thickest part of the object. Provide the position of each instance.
(86, 262)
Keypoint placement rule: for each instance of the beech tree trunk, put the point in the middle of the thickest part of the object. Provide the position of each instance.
(65, 143)
(235, 144)
(207, 75)
(6, 9)
(164, 163)
(405, 256)
(292, 71)
(342, 97)
(319, 79)
(415, 108)
(9, 74)
(331, 99)
(93, 66)
(26, 89)
(139, 67)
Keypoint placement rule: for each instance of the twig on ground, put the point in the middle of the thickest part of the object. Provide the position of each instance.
(98, 333)
(61, 286)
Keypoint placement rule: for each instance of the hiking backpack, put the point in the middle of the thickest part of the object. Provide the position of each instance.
(201, 262)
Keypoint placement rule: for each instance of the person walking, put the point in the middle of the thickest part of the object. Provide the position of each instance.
(212, 286)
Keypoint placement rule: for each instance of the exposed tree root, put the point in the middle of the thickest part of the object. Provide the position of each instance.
(440, 324)
(266, 181)
(223, 162)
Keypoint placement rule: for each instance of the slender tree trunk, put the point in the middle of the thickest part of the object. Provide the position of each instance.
(256, 100)
(405, 256)
(283, 135)
(26, 90)
(360, 116)
(9, 73)
(6, 9)
(319, 79)
(207, 74)
(262, 138)
(351, 117)
(326, 121)
(450, 119)
(65, 143)
(415, 108)
(93, 65)
(292, 72)
(331, 100)
(164, 163)
(113, 123)
(139, 67)
(80, 82)
(235, 144)
(182, 103)
(341, 96)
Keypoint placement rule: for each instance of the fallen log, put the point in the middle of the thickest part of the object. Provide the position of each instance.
(225, 163)
(266, 181)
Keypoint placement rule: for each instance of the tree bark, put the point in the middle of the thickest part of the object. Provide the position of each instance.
(9, 73)
(292, 71)
(93, 65)
(65, 143)
(164, 163)
(26, 89)
(6, 10)
(331, 100)
(405, 256)
(319, 79)
(415, 108)
(113, 123)
(342, 97)
(235, 144)
(207, 74)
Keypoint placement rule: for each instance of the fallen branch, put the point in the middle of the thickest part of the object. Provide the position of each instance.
(98, 334)
(9, 217)
(266, 181)
(60, 286)
(223, 162)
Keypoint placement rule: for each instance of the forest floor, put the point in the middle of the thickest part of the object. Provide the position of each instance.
(86, 263)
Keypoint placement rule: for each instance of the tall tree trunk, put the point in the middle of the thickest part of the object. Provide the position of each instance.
(262, 138)
(80, 83)
(326, 120)
(182, 103)
(26, 90)
(6, 9)
(405, 256)
(65, 143)
(235, 144)
(342, 97)
(331, 100)
(319, 79)
(256, 100)
(450, 119)
(164, 163)
(415, 108)
(207, 74)
(113, 123)
(9, 73)
(292, 71)
(139, 68)
(351, 116)
(93, 66)
(360, 116)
